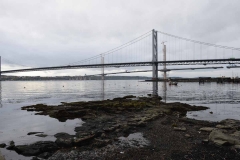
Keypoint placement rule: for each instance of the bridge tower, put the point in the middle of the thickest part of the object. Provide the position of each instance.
(102, 61)
(164, 65)
(0, 68)
(155, 64)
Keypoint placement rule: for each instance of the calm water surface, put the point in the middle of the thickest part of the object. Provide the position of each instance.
(223, 100)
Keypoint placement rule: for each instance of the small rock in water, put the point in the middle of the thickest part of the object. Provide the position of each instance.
(11, 143)
(30, 133)
(41, 135)
(211, 112)
(3, 145)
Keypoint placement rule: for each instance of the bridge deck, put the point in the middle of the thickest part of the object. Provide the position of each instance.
(131, 64)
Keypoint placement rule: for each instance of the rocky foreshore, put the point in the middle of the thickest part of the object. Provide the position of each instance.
(161, 131)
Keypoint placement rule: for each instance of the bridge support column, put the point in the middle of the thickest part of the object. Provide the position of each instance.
(164, 65)
(102, 61)
(155, 64)
(0, 68)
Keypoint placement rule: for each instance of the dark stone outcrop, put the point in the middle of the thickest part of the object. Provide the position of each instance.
(3, 145)
(36, 148)
(104, 121)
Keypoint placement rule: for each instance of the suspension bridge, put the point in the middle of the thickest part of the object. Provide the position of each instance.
(146, 50)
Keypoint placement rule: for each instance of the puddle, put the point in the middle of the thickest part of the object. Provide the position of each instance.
(134, 140)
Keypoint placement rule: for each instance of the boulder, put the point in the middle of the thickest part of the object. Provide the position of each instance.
(3, 145)
(64, 142)
(220, 138)
(62, 135)
(101, 143)
(236, 134)
(206, 129)
(237, 146)
(179, 128)
(11, 145)
(224, 126)
(83, 138)
(187, 135)
(129, 96)
(205, 141)
(64, 139)
(41, 135)
(36, 148)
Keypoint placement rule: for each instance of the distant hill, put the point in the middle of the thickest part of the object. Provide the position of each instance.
(38, 78)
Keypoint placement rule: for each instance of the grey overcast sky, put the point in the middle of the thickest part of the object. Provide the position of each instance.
(39, 33)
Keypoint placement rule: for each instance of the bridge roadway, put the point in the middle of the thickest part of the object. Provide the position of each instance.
(131, 64)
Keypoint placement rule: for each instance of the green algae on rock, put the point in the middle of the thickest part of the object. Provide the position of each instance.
(150, 107)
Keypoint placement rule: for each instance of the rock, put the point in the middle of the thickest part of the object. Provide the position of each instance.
(221, 139)
(64, 139)
(83, 138)
(211, 112)
(231, 123)
(101, 143)
(129, 96)
(142, 124)
(45, 155)
(223, 126)
(109, 129)
(236, 134)
(11, 145)
(3, 145)
(62, 134)
(36, 148)
(30, 133)
(41, 135)
(237, 146)
(205, 141)
(207, 129)
(64, 142)
(179, 128)
(221, 143)
(103, 135)
(187, 135)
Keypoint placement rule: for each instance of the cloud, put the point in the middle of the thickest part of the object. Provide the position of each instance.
(57, 32)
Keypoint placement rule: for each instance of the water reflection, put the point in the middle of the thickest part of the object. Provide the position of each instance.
(0, 94)
(103, 89)
(165, 91)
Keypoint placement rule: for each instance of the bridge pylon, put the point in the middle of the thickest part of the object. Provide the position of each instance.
(154, 63)
(0, 68)
(164, 65)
